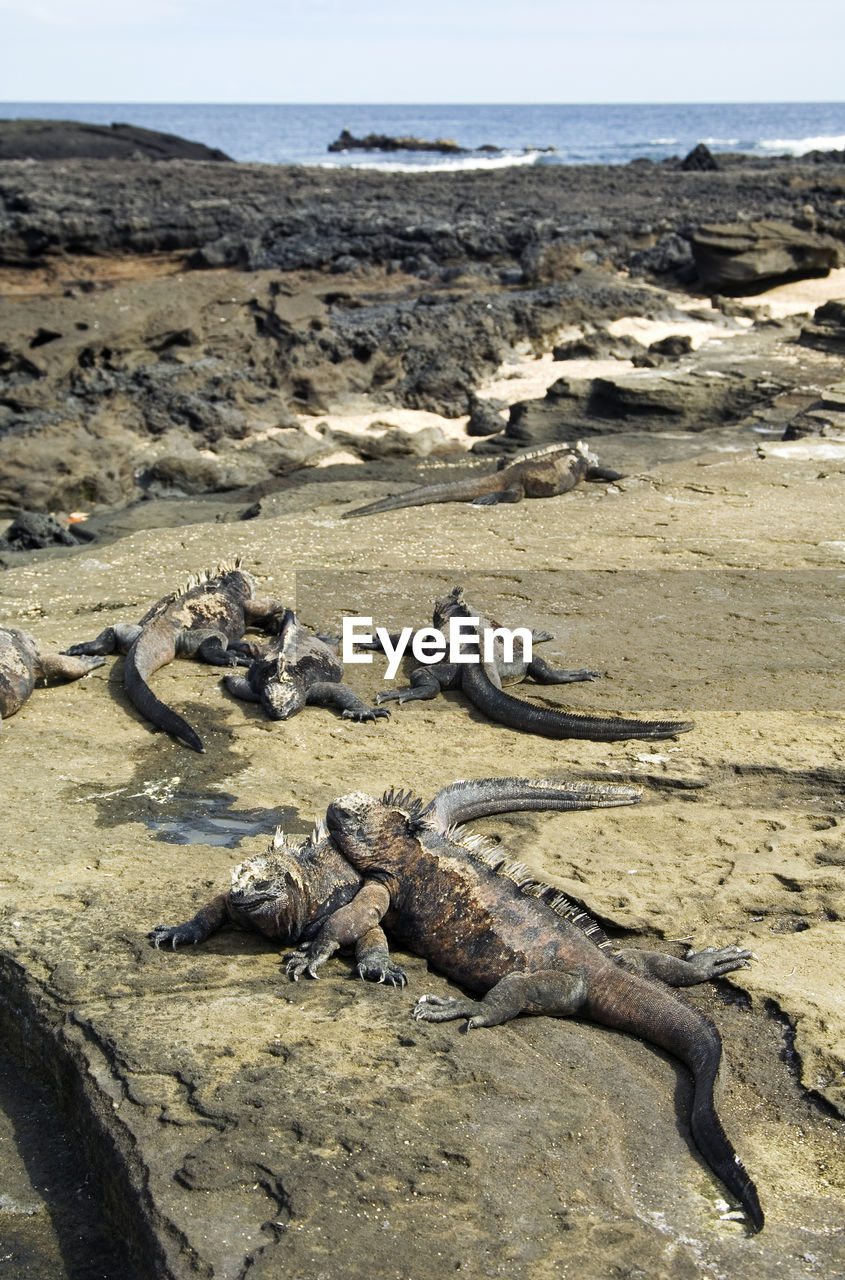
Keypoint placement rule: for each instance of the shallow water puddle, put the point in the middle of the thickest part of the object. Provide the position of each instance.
(209, 820)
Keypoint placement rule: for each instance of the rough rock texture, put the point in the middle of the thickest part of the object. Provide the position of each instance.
(231, 1124)
(71, 140)
(748, 256)
(827, 331)
(246, 1127)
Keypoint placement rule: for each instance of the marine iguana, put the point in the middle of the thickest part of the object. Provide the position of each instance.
(540, 472)
(296, 669)
(488, 925)
(292, 891)
(22, 665)
(482, 683)
(204, 619)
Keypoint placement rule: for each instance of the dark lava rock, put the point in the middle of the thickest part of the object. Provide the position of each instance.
(827, 332)
(69, 139)
(599, 345)
(30, 530)
(484, 419)
(748, 257)
(700, 159)
(670, 256)
(383, 142)
(824, 417)
(692, 401)
(675, 345)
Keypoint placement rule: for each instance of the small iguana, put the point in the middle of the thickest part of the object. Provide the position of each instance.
(205, 619)
(520, 946)
(290, 892)
(298, 668)
(22, 666)
(540, 472)
(482, 683)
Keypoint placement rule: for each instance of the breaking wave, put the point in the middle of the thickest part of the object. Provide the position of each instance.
(448, 164)
(799, 146)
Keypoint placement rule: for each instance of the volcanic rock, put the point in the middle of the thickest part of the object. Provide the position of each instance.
(748, 257)
(70, 139)
(827, 331)
(383, 142)
(700, 160)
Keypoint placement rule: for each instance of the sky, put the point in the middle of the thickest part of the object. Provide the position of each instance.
(430, 51)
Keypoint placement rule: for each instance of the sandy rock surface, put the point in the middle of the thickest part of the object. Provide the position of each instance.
(247, 1127)
(221, 1120)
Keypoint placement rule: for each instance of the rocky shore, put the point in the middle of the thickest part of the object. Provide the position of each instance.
(209, 360)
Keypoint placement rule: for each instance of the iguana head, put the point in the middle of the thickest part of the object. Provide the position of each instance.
(287, 890)
(365, 829)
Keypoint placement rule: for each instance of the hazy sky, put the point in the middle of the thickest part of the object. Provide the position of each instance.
(426, 51)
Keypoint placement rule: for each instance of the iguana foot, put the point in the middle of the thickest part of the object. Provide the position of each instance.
(308, 959)
(371, 713)
(446, 1008)
(372, 971)
(712, 962)
(177, 935)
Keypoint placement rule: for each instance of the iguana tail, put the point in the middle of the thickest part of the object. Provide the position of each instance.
(651, 1011)
(466, 800)
(549, 723)
(456, 491)
(154, 648)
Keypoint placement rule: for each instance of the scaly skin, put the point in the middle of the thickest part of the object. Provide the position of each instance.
(498, 933)
(21, 666)
(295, 893)
(206, 619)
(482, 684)
(298, 669)
(535, 473)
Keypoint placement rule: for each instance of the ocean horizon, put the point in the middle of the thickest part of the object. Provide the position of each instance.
(525, 134)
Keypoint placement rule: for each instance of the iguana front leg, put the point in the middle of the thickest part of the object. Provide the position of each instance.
(330, 693)
(373, 962)
(426, 682)
(209, 646)
(549, 991)
(204, 923)
(344, 928)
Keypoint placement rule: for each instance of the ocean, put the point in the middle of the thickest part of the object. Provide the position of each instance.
(590, 134)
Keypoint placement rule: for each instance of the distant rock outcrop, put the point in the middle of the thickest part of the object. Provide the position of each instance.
(383, 142)
(72, 140)
(745, 257)
(700, 160)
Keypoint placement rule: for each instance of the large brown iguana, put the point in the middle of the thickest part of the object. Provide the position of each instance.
(540, 472)
(516, 943)
(22, 665)
(484, 922)
(297, 668)
(205, 619)
(482, 682)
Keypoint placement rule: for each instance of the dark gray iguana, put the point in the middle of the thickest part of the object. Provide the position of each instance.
(298, 668)
(205, 619)
(291, 891)
(542, 472)
(521, 947)
(482, 684)
(22, 666)
(486, 923)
